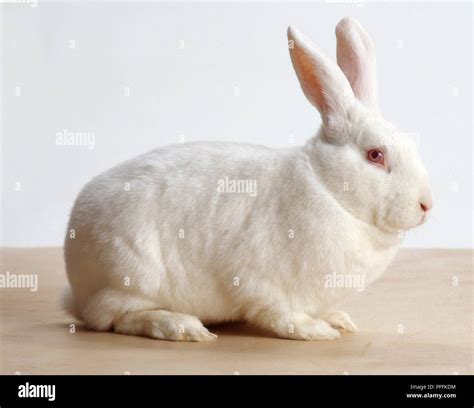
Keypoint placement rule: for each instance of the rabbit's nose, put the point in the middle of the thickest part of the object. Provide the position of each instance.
(426, 205)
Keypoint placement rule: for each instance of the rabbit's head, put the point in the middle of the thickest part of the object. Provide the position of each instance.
(372, 169)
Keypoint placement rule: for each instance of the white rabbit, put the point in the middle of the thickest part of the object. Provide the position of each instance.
(203, 233)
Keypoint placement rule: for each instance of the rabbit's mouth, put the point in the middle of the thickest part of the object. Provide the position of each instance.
(424, 218)
(387, 225)
(399, 217)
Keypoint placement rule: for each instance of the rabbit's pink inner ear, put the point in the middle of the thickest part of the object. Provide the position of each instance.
(356, 58)
(322, 81)
(310, 83)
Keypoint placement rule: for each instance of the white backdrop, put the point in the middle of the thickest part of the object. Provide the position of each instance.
(129, 77)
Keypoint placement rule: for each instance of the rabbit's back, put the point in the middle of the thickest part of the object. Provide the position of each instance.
(176, 222)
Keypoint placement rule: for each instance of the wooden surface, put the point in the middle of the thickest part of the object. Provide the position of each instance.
(415, 320)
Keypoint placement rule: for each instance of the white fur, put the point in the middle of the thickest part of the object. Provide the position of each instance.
(158, 249)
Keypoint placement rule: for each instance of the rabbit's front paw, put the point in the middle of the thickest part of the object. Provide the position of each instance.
(341, 321)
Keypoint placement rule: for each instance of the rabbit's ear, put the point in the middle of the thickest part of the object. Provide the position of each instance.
(356, 57)
(322, 81)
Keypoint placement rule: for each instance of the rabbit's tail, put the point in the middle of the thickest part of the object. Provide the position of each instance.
(104, 308)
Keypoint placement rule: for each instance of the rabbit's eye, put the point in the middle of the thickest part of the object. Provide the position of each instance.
(376, 156)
